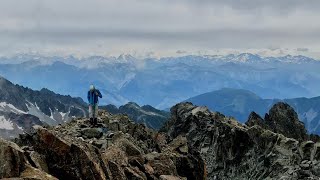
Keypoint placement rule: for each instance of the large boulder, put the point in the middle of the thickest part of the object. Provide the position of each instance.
(34, 173)
(92, 133)
(162, 164)
(12, 159)
(15, 163)
(66, 158)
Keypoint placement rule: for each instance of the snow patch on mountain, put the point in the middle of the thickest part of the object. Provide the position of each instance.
(138, 108)
(51, 114)
(33, 110)
(19, 127)
(36, 105)
(5, 124)
(10, 108)
(63, 115)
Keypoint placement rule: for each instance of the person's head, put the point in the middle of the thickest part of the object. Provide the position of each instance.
(92, 88)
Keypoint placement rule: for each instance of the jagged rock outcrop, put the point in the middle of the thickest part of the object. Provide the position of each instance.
(116, 149)
(255, 119)
(12, 159)
(15, 163)
(235, 151)
(281, 119)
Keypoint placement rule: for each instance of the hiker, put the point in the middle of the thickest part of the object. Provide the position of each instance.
(93, 98)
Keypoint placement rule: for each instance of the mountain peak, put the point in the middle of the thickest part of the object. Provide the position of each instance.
(255, 119)
(46, 91)
(226, 93)
(132, 104)
(126, 57)
(247, 57)
(281, 119)
(4, 81)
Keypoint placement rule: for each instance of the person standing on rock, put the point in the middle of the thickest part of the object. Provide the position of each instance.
(93, 99)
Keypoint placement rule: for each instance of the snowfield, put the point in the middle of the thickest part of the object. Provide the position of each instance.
(9, 107)
(5, 124)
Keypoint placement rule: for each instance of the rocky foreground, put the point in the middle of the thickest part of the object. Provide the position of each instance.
(117, 149)
(194, 144)
(235, 151)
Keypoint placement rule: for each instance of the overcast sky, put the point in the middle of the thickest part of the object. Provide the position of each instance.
(161, 27)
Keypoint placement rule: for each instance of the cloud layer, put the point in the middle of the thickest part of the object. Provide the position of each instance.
(89, 27)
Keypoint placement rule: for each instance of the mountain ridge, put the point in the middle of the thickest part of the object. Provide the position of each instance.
(147, 115)
(240, 104)
(172, 79)
(243, 57)
(21, 108)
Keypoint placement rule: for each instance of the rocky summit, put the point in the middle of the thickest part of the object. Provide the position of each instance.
(232, 150)
(116, 149)
(194, 144)
(281, 119)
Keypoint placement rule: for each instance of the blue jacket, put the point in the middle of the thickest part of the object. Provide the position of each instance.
(93, 96)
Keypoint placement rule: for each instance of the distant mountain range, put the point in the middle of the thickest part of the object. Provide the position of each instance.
(166, 81)
(148, 115)
(240, 103)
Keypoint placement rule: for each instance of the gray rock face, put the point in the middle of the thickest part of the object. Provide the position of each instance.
(255, 119)
(281, 119)
(235, 151)
(12, 159)
(15, 163)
